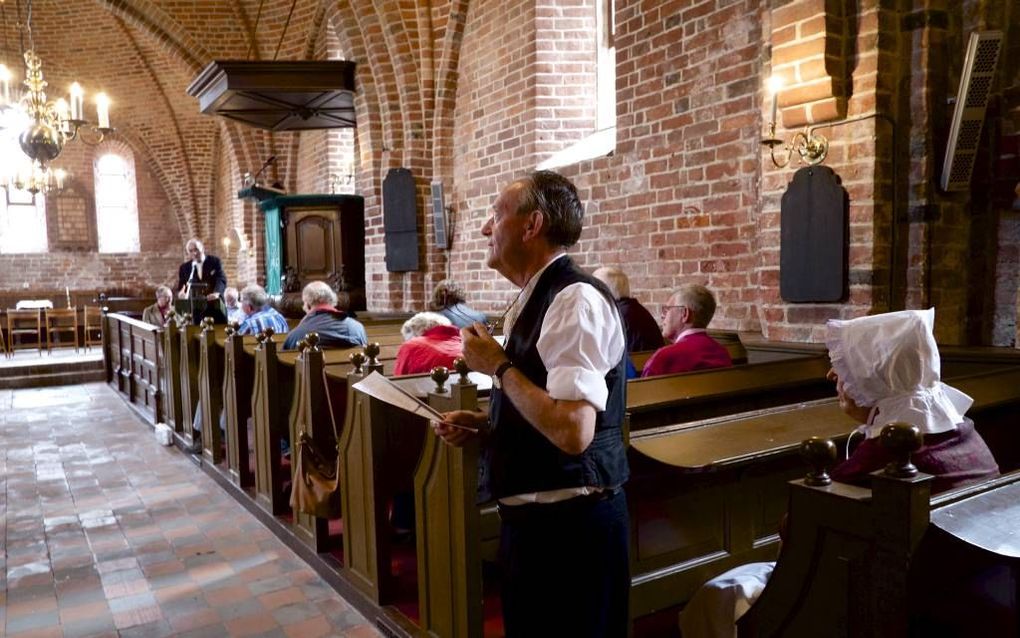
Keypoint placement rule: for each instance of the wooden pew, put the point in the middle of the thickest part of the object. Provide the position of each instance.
(449, 525)
(133, 355)
(379, 447)
(210, 389)
(857, 560)
(238, 381)
(707, 496)
(225, 381)
(272, 413)
(662, 400)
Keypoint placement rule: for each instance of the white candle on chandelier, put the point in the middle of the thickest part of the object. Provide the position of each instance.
(60, 175)
(63, 112)
(5, 85)
(77, 101)
(103, 110)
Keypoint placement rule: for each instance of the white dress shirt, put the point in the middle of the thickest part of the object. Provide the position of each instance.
(581, 340)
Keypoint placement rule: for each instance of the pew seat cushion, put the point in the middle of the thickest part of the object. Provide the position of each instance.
(715, 608)
(955, 458)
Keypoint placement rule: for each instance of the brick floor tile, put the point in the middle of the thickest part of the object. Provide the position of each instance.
(107, 533)
(251, 624)
(281, 597)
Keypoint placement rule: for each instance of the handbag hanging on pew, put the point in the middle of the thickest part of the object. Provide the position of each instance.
(316, 488)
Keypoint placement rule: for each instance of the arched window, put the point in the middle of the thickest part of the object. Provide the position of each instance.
(116, 204)
(578, 43)
(22, 217)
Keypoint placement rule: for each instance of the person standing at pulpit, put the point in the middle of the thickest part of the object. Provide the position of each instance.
(555, 457)
(203, 269)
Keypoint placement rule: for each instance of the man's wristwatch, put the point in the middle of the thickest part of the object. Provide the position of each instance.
(497, 376)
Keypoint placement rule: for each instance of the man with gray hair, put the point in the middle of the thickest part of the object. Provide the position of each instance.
(684, 323)
(335, 328)
(554, 455)
(206, 270)
(259, 315)
(235, 314)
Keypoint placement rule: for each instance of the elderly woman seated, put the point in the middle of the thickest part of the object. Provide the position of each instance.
(886, 368)
(429, 341)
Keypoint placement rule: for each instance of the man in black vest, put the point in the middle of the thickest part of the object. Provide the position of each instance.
(554, 451)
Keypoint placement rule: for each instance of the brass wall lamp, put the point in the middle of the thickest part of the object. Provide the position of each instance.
(810, 147)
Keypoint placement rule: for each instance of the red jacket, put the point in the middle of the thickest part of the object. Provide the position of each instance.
(696, 351)
(437, 346)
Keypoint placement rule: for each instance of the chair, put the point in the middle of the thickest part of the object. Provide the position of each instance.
(20, 324)
(93, 326)
(61, 321)
(3, 342)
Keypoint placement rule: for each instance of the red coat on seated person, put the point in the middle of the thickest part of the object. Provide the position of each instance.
(694, 350)
(437, 346)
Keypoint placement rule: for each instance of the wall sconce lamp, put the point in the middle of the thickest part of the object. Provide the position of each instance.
(342, 180)
(811, 148)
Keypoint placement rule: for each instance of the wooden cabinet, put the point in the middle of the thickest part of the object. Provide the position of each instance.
(316, 237)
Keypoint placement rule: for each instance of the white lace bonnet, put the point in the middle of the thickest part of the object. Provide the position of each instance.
(890, 362)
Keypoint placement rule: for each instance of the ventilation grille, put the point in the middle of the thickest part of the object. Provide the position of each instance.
(969, 114)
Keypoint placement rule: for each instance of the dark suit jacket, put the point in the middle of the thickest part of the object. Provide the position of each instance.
(212, 274)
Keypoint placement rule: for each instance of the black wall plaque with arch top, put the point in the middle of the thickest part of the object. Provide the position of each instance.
(400, 220)
(814, 237)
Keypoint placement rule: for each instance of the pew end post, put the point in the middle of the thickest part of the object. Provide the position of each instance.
(310, 417)
(210, 375)
(846, 554)
(237, 391)
(448, 522)
(269, 426)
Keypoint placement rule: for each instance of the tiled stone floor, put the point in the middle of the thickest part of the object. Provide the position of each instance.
(105, 533)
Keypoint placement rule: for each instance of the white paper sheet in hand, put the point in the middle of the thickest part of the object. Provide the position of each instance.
(378, 386)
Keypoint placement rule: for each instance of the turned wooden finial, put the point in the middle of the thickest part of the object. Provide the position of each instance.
(461, 366)
(269, 332)
(231, 328)
(261, 338)
(372, 351)
(902, 440)
(207, 324)
(358, 360)
(183, 319)
(821, 456)
(440, 374)
(312, 341)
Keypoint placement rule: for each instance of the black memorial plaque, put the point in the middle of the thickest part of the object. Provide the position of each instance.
(400, 220)
(813, 239)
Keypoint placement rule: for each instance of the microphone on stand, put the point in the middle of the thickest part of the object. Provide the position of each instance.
(269, 162)
(191, 278)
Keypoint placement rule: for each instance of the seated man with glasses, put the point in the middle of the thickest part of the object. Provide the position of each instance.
(684, 322)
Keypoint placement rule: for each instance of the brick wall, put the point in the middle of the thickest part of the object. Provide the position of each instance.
(477, 93)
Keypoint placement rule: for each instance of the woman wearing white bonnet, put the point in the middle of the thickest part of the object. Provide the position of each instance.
(886, 369)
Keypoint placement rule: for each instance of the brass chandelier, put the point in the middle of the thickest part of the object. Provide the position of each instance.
(44, 127)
